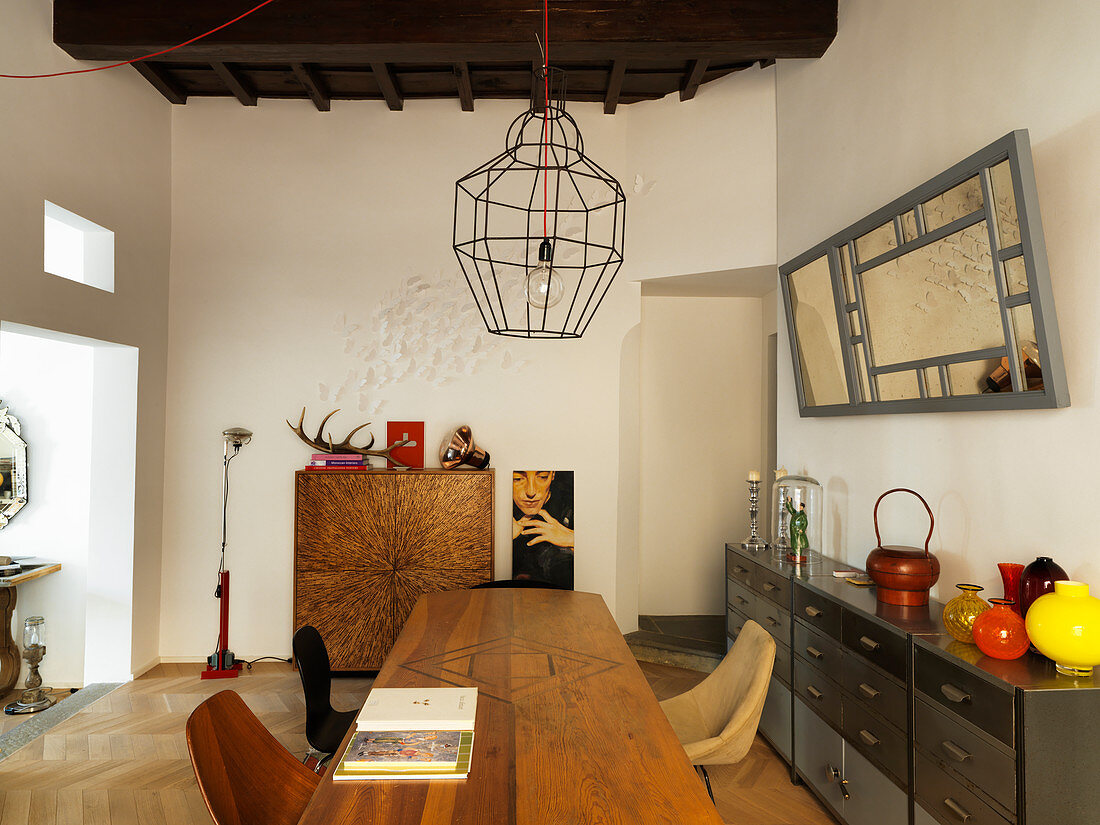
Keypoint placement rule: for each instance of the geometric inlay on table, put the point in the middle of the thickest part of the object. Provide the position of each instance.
(511, 669)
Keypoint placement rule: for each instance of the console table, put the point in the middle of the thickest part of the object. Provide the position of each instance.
(891, 721)
(369, 543)
(9, 649)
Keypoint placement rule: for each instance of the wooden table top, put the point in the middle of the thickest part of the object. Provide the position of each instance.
(567, 729)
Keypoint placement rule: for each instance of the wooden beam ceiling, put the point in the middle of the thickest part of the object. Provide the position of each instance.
(394, 50)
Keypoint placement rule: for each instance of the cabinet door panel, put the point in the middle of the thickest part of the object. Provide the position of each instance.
(775, 721)
(874, 799)
(818, 750)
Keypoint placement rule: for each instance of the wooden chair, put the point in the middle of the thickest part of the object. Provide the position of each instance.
(245, 775)
(325, 726)
(716, 720)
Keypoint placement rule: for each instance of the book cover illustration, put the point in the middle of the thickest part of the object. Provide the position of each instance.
(421, 748)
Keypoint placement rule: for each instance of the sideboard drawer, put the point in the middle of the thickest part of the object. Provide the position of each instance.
(878, 741)
(740, 598)
(820, 693)
(735, 622)
(740, 568)
(774, 587)
(822, 651)
(985, 765)
(781, 667)
(774, 619)
(875, 690)
(948, 799)
(979, 702)
(817, 610)
(875, 643)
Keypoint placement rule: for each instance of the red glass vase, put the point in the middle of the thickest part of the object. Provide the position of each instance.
(1010, 576)
(1000, 632)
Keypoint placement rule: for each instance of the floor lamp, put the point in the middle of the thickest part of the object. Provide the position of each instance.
(221, 664)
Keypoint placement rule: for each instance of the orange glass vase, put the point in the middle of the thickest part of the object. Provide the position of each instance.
(1000, 632)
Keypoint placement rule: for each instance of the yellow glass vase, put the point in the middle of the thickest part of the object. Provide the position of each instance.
(1065, 626)
(961, 611)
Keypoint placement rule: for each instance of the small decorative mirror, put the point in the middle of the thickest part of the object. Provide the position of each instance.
(13, 467)
(938, 301)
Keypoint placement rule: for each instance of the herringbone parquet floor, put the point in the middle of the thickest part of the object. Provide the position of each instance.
(123, 759)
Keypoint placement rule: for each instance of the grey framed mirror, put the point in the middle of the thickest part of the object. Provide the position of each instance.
(13, 467)
(940, 300)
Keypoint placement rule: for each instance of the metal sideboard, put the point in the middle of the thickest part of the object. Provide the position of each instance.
(891, 721)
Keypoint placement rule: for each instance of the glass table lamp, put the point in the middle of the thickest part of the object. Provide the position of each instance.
(797, 504)
(35, 697)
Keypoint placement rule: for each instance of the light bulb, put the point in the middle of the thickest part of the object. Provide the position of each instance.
(543, 288)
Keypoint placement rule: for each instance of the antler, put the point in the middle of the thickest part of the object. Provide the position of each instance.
(320, 442)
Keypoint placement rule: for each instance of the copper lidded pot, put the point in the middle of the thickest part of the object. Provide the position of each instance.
(903, 574)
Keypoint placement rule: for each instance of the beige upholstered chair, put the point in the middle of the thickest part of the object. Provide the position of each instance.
(716, 720)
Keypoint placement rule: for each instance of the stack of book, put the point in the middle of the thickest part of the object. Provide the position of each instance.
(345, 461)
(411, 733)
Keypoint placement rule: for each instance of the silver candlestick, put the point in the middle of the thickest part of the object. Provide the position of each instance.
(754, 544)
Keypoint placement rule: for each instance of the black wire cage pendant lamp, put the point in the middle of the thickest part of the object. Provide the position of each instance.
(538, 229)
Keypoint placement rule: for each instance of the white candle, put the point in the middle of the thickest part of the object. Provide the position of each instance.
(754, 475)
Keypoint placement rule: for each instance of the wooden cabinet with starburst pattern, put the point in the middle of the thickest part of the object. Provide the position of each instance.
(369, 543)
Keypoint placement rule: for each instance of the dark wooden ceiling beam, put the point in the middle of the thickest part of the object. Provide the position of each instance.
(614, 87)
(235, 82)
(399, 30)
(388, 86)
(315, 87)
(694, 77)
(465, 89)
(161, 81)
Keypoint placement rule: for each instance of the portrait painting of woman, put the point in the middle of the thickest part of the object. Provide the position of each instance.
(542, 526)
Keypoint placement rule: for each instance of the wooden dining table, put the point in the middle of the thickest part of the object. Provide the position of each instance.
(567, 728)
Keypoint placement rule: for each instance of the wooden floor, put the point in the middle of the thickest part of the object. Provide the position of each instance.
(123, 759)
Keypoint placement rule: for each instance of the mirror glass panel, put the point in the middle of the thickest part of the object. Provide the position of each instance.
(940, 300)
(811, 301)
(13, 467)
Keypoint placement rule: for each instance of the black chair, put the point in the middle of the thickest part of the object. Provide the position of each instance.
(519, 583)
(325, 727)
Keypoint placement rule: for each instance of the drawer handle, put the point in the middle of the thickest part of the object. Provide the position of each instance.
(869, 643)
(813, 612)
(813, 651)
(957, 809)
(868, 737)
(955, 694)
(742, 599)
(833, 775)
(769, 586)
(814, 692)
(954, 751)
(868, 691)
(739, 569)
(774, 622)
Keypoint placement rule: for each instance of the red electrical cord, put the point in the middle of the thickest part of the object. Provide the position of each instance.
(143, 57)
(545, 109)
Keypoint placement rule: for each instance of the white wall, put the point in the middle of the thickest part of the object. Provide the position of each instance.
(48, 386)
(97, 145)
(295, 235)
(906, 90)
(701, 391)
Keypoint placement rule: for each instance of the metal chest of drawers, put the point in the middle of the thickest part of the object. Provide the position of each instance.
(759, 590)
(1002, 743)
(890, 721)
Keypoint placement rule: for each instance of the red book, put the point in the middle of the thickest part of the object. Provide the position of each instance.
(412, 454)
